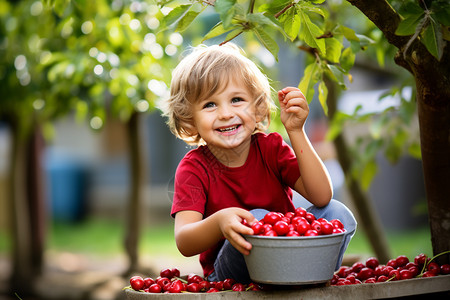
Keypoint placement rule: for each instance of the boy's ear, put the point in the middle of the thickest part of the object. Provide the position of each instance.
(260, 113)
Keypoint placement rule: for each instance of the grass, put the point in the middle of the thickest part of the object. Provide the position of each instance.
(104, 237)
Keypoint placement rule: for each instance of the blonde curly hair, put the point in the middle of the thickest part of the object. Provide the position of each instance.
(202, 73)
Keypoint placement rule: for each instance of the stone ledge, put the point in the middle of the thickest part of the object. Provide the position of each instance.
(385, 290)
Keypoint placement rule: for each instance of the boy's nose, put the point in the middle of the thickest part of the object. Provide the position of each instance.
(225, 112)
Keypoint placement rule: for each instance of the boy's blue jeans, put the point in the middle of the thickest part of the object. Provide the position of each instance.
(230, 263)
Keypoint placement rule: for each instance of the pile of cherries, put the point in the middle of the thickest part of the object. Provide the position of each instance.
(297, 223)
(399, 268)
(169, 281)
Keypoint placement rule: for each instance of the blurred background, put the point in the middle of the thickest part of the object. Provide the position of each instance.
(86, 171)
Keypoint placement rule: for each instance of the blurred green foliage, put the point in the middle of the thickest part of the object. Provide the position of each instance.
(88, 57)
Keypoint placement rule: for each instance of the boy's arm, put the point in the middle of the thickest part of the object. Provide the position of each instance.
(193, 234)
(314, 183)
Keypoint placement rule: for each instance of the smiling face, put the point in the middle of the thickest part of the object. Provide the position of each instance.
(227, 119)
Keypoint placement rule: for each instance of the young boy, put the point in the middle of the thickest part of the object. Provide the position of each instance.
(221, 102)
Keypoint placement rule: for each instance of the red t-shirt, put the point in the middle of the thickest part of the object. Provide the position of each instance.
(204, 184)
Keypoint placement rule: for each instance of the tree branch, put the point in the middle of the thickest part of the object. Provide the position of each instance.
(383, 15)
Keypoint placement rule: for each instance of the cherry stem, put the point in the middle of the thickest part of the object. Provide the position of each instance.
(428, 262)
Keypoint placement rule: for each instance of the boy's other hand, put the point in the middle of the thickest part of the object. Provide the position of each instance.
(294, 108)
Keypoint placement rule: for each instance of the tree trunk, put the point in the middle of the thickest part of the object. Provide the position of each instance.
(21, 277)
(36, 198)
(368, 216)
(433, 101)
(135, 206)
(432, 79)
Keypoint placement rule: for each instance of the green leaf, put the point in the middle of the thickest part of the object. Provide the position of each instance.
(335, 74)
(348, 33)
(309, 33)
(310, 78)
(225, 9)
(59, 6)
(323, 96)
(415, 151)
(174, 16)
(347, 59)
(432, 39)
(217, 30)
(291, 23)
(333, 49)
(267, 41)
(233, 34)
(186, 20)
(408, 25)
(368, 173)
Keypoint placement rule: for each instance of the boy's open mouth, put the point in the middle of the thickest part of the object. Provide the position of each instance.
(228, 129)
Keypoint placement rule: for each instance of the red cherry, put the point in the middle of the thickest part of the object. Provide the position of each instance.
(271, 218)
(420, 259)
(365, 273)
(317, 226)
(310, 217)
(414, 270)
(148, 282)
(163, 281)
(238, 287)
(428, 274)
(175, 272)
(382, 278)
(334, 279)
(194, 278)
(271, 233)
(253, 287)
(212, 290)
(434, 268)
(351, 278)
(311, 232)
(372, 262)
(303, 227)
(193, 287)
(297, 220)
(293, 233)
(370, 280)
(176, 287)
(406, 274)
(228, 283)
(395, 274)
(402, 260)
(137, 283)
(204, 285)
(327, 228)
(267, 227)
(445, 269)
(289, 215)
(281, 228)
(338, 230)
(380, 270)
(343, 271)
(219, 285)
(357, 266)
(155, 288)
(257, 228)
(392, 263)
(300, 211)
(337, 224)
(166, 273)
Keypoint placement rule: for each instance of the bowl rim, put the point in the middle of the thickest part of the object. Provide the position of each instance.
(282, 237)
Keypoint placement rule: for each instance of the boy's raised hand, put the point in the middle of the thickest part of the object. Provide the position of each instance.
(294, 108)
(230, 223)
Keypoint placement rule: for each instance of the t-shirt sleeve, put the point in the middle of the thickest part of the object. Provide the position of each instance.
(189, 189)
(283, 157)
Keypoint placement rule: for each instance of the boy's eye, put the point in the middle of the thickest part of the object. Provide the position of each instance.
(236, 99)
(209, 105)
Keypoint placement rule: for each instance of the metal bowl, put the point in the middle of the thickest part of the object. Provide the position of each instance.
(293, 260)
